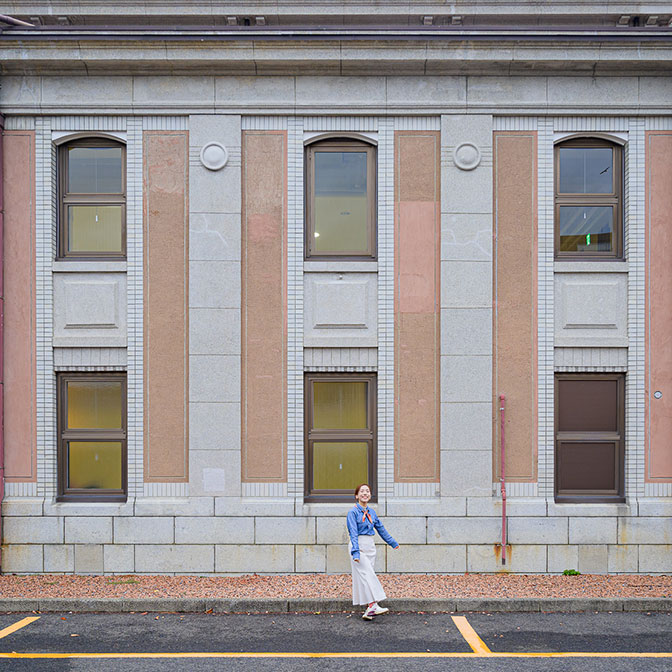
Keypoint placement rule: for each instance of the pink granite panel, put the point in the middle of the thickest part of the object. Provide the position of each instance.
(166, 236)
(417, 344)
(659, 299)
(264, 323)
(19, 306)
(515, 300)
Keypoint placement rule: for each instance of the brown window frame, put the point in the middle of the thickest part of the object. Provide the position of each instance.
(615, 200)
(325, 435)
(341, 145)
(66, 199)
(617, 438)
(64, 435)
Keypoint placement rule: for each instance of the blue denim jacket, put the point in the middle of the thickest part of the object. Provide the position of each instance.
(357, 526)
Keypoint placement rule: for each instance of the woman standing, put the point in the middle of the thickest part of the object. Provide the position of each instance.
(362, 521)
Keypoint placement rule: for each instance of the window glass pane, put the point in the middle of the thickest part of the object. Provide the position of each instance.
(94, 170)
(586, 229)
(340, 466)
(94, 228)
(94, 405)
(94, 464)
(588, 405)
(339, 405)
(587, 466)
(586, 170)
(340, 202)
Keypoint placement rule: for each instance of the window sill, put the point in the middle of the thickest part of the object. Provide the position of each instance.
(89, 267)
(340, 266)
(592, 266)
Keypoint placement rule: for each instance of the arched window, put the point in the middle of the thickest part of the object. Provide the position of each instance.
(588, 199)
(92, 199)
(340, 199)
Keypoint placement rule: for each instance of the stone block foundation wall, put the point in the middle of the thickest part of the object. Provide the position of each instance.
(147, 537)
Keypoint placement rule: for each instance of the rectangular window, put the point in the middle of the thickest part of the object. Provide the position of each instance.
(590, 431)
(92, 437)
(340, 200)
(92, 188)
(340, 418)
(588, 200)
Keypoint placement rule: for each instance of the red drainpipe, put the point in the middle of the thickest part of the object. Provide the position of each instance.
(502, 478)
(2, 335)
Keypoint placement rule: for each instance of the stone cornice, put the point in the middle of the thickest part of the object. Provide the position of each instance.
(438, 53)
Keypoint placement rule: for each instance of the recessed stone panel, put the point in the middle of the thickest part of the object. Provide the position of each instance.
(90, 309)
(340, 309)
(591, 309)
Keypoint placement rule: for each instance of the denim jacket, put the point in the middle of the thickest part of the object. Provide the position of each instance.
(359, 523)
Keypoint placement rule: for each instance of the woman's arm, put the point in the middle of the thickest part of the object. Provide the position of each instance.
(354, 534)
(387, 537)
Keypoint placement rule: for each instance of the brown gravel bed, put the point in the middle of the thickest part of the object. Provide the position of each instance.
(336, 586)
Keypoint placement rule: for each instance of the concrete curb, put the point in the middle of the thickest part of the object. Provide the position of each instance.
(313, 605)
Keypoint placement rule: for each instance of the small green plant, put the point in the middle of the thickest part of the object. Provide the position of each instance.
(571, 572)
(118, 582)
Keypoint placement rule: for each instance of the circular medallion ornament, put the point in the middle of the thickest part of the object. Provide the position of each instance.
(466, 156)
(214, 156)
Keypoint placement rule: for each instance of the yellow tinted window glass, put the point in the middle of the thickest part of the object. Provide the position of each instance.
(94, 405)
(94, 228)
(339, 405)
(339, 466)
(340, 202)
(94, 465)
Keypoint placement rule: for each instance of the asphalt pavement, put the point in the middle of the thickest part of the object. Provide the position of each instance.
(466, 641)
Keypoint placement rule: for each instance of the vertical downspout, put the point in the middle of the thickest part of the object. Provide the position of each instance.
(2, 333)
(502, 478)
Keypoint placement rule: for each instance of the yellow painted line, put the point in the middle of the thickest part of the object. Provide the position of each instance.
(475, 642)
(367, 654)
(18, 625)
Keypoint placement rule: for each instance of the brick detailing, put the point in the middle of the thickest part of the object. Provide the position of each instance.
(295, 306)
(545, 310)
(635, 250)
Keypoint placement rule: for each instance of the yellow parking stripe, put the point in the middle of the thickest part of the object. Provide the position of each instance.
(367, 654)
(18, 625)
(475, 642)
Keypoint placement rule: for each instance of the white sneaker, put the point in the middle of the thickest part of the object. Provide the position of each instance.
(380, 610)
(369, 614)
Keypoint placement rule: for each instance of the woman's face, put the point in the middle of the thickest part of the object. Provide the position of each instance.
(364, 495)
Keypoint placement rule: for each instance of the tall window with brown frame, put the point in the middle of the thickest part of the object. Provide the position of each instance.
(340, 435)
(92, 462)
(588, 199)
(340, 200)
(590, 437)
(92, 200)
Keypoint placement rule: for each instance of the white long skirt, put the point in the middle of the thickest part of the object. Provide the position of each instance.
(366, 587)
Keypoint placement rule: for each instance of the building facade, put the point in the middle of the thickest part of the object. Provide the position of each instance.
(254, 256)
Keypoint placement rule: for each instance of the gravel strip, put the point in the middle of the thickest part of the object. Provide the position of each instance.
(335, 586)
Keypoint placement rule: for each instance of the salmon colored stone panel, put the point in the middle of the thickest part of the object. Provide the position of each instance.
(659, 300)
(19, 350)
(264, 313)
(166, 315)
(515, 303)
(417, 307)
